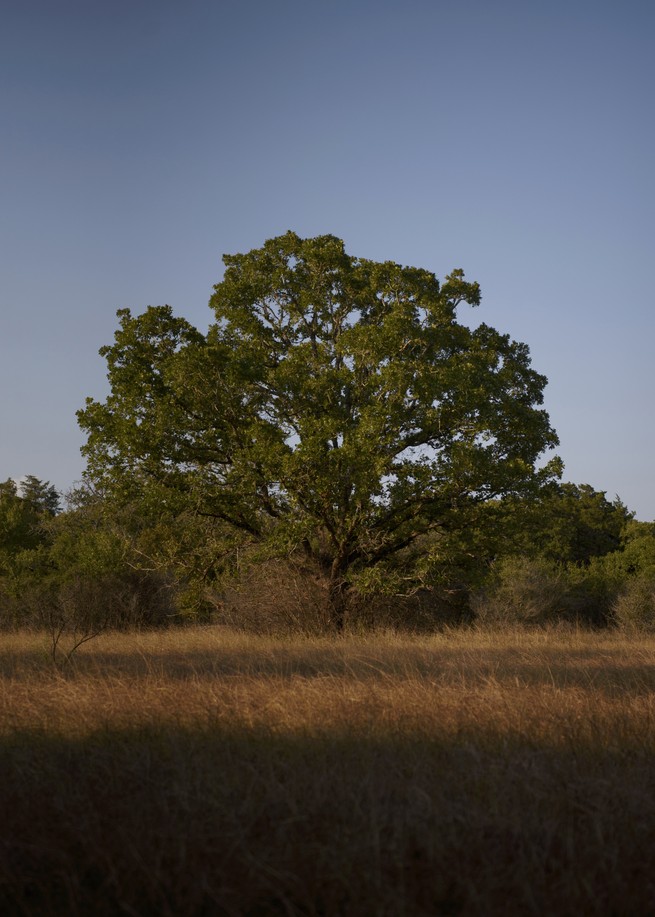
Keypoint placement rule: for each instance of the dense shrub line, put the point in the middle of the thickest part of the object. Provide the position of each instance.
(278, 597)
(570, 556)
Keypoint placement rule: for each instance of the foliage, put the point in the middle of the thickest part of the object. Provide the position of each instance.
(637, 551)
(335, 407)
(96, 570)
(522, 590)
(634, 607)
(155, 536)
(579, 523)
(20, 523)
(25, 511)
(41, 495)
(614, 588)
(565, 523)
(71, 572)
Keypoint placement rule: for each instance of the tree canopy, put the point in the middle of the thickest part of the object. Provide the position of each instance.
(336, 406)
(572, 523)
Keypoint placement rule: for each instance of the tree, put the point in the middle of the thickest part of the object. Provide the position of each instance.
(335, 407)
(565, 524)
(23, 510)
(42, 495)
(18, 524)
(576, 522)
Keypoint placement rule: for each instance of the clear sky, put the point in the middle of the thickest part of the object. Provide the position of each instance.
(142, 139)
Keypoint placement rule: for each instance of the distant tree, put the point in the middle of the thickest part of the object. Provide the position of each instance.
(572, 523)
(24, 543)
(42, 495)
(154, 543)
(23, 509)
(335, 407)
(19, 524)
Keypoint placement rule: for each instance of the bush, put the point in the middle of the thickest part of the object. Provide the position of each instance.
(522, 590)
(121, 601)
(592, 591)
(128, 600)
(80, 608)
(275, 597)
(425, 611)
(634, 608)
(11, 612)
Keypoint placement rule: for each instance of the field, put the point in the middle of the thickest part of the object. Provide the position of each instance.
(207, 772)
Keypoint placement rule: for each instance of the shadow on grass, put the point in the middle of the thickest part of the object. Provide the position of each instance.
(206, 821)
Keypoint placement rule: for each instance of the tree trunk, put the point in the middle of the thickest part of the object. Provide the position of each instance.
(337, 598)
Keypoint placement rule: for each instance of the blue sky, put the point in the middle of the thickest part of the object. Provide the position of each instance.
(142, 140)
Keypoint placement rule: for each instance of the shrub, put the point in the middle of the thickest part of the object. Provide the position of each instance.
(634, 608)
(121, 601)
(592, 591)
(275, 597)
(522, 590)
(76, 610)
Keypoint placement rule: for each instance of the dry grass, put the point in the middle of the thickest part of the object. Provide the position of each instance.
(207, 772)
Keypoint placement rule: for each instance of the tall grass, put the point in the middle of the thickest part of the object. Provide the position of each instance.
(207, 772)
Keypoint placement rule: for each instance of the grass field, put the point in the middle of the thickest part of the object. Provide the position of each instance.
(202, 772)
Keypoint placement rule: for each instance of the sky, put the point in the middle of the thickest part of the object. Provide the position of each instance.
(143, 139)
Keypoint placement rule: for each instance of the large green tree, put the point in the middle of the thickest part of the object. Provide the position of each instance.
(336, 407)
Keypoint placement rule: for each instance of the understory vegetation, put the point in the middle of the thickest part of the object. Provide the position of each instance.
(566, 556)
(207, 771)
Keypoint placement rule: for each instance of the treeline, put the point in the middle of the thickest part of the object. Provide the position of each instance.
(91, 562)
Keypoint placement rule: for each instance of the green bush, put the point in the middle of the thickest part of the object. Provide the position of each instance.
(592, 591)
(522, 590)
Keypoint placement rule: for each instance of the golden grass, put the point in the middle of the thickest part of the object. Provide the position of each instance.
(204, 772)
